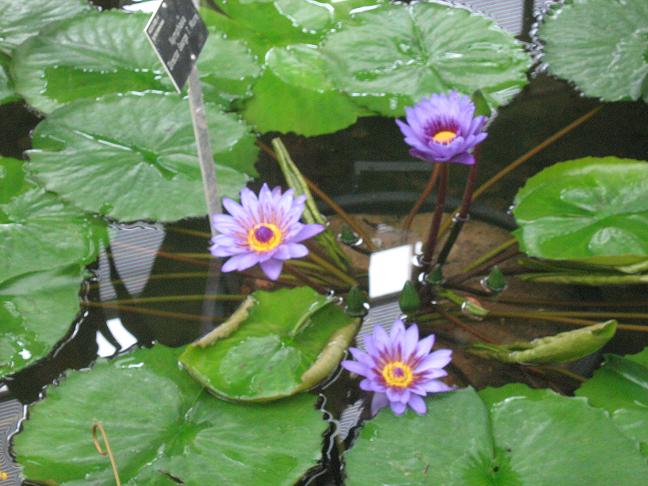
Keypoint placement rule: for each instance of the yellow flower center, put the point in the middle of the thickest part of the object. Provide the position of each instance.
(397, 374)
(444, 137)
(264, 237)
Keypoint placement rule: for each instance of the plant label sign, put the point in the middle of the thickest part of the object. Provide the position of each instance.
(177, 34)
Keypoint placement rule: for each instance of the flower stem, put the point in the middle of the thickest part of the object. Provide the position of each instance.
(145, 311)
(465, 327)
(535, 150)
(436, 218)
(180, 298)
(424, 195)
(462, 216)
(462, 277)
(487, 256)
(541, 316)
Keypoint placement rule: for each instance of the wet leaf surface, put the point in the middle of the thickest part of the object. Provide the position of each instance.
(133, 157)
(104, 53)
(592, 210)
(391, 56)
(620, 386)
(278, 344)
(294, 95)
(38, 231)
(159, 423)
(519, 436)
(36, 311)
(600, 46)
(21, 20)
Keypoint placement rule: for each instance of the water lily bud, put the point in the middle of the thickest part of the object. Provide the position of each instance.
(348, 236)
(473, 307)
(495, 282)
(409, 300)
(357, 303)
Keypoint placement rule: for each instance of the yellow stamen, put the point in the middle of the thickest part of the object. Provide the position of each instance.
(264, 245)
(397, 374)
(444, 137)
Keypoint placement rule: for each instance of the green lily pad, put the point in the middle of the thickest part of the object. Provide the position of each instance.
(105, 53)
(37, 230)
(294, 95)
(36, 311)
(530, 438)
(133, 157)
(601, 46)
(7, 92)
(590, 210)
(393, 55)
(161, 424)
(620, 386)
(21, 20)
(277, 344)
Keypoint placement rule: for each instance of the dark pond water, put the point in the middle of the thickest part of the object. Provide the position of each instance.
(168, 270)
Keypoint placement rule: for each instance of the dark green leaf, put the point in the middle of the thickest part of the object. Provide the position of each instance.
(104, 53)
(392, 56)
(294, 95)
(520, 437)
(620, 386)
(277, 344)
(133, 157)
(160, 423)
(591, 210)
(37, 230)
(36, 310)
(23, 19)
(600, 45)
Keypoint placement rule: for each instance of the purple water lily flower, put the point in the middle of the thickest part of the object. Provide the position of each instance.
(443, 128)
(264, 230)
(399, 368)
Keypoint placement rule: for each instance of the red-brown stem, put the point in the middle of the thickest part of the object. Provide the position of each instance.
(436, 218)
(462, 215)
(424, 195)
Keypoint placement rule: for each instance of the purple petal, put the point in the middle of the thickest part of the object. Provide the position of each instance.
(235, 209)
(435, 386)
(354, 367)
(397, 329)
(296, 250)
(464, 158)
(308, 231)
(410, 342)
(425, 346)
(272, 268)
(417, 404)
(438, 359)
(240, 262)
(362, 357)
(397, 407)
(378, 401)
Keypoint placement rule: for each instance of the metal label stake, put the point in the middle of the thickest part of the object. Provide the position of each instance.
(178, 34)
